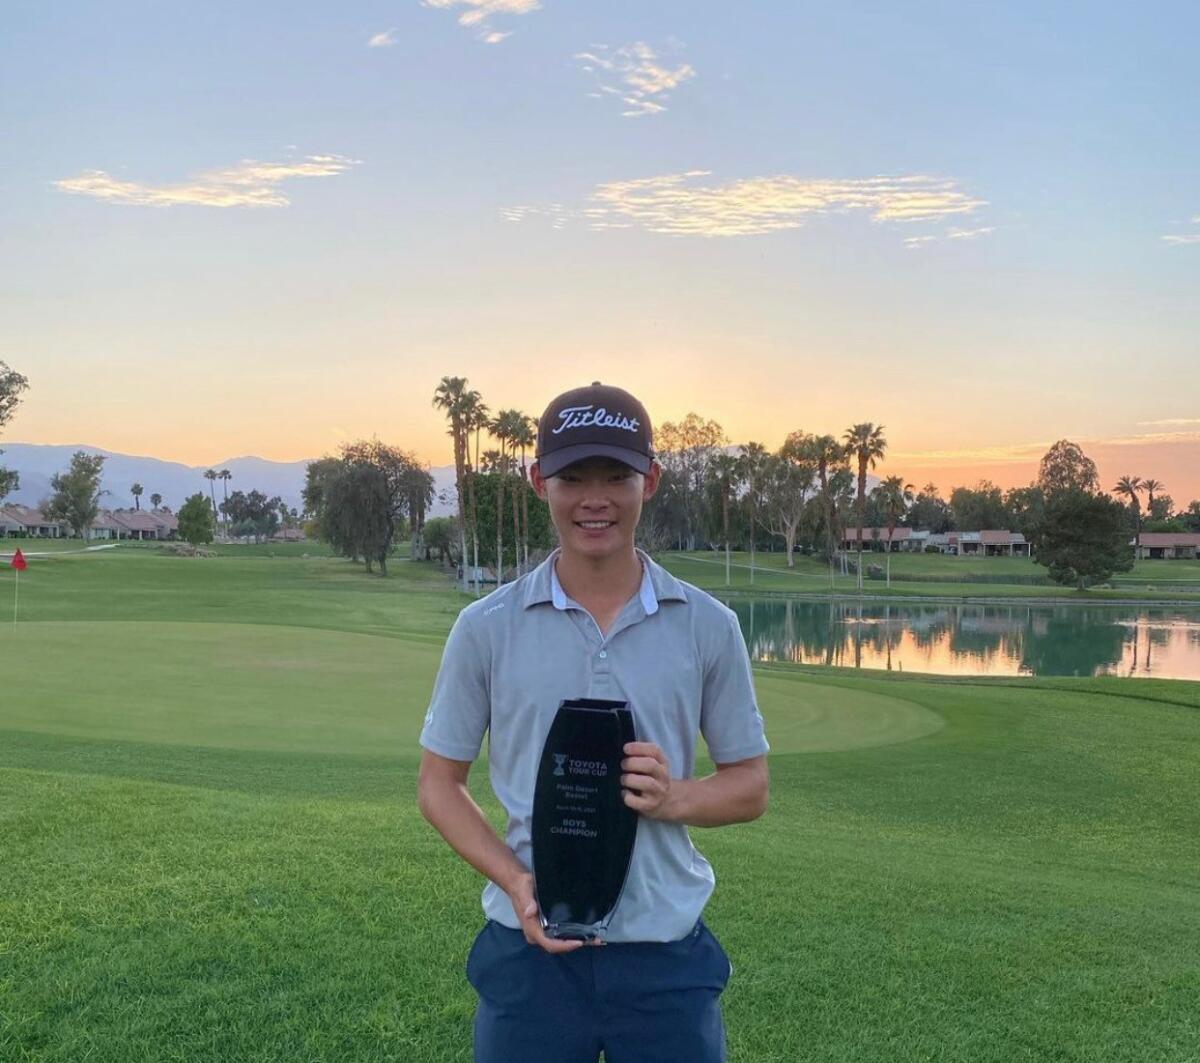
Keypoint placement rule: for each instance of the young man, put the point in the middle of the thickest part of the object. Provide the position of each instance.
(597, 619)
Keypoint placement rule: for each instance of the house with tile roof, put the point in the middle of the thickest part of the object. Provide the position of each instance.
(27, 521)
(1168, 546)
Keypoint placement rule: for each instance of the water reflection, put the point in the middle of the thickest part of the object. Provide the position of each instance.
(974, 639)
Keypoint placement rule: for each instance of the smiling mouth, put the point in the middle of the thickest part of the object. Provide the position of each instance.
(595, 525)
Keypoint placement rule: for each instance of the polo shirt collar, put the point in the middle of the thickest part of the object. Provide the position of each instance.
(658, 585)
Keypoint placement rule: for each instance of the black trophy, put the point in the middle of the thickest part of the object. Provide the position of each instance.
(583, 832)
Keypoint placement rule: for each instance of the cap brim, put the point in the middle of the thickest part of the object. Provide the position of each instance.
(554, 463)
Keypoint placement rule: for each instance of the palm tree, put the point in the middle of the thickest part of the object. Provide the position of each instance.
(1129, 486)
(525, 436)
(866, 444)
(501, 428)
(210, 475)
(895, 496)
(753, 461)
(136, 491)
(1152, 487)
(725, 471)
(516, 427)
(475, 419)
(225, 476)
(156, 500)
(841, 501)
(448, 396)
(826, 453)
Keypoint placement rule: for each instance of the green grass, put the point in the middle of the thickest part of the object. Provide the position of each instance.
(210, 846)
(926, 575)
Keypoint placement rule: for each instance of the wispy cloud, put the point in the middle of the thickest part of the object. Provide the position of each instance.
(1142, 438)
(1185, 238)
(969, 234)
(634, 74)
(248, 184)
(684, 205)
(915, 243)
(1170, 422)
(555, 213)
(1023, 453)
(479, 12)
(383, 40)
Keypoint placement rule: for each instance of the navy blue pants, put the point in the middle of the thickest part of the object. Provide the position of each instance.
(639, 1002)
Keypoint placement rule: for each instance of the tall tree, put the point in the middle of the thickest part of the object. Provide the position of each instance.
(895, 496)
(317, 477)
(866, 444)
(12, 384)
(225, 476)
(786, 484)
(211, 476)
(196, 523)
(384, 502)
(136, 490)
(358, 517)
(417, 486)
(1191, 516)
(1129, 487)
(525, 435)
(1154, 488)
(514, 426)
(979, 507)
(76, 497)
(724, 472)
(1026, 508)
(828, 455)
(252, 514)
(841, 492)
(752, 467)
(685, 449)
(476, 418)
(156, 500)
(1085, 539)
(930, 511)
(1064, 467)
(448, 396)
(499, 428)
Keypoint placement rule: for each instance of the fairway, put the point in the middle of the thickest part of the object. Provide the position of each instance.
(211, 846)
(268, 687)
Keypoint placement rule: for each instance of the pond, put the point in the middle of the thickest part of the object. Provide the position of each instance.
(1162, 643)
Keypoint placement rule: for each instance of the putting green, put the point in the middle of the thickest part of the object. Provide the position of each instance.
(808, 717)
(299, 689)
(238, 686)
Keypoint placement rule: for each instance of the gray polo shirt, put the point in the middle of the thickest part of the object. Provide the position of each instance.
(674, 653)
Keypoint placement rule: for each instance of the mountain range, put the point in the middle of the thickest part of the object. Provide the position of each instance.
(174, 481)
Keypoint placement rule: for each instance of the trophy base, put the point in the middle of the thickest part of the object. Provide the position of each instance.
(575, 932)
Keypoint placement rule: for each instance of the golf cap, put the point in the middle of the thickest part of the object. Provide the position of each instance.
(597, 421)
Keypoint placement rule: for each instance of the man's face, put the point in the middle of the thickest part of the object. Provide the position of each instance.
(595, 504)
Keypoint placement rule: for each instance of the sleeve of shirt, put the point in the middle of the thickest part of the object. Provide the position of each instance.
(460, 708)
(729, 717)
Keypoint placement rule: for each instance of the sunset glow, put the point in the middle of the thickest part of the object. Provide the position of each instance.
(781, 219)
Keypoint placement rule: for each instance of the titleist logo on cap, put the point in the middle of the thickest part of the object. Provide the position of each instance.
(590, 416)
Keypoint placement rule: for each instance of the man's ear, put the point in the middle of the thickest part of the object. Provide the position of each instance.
(538, 480)
(650, 480)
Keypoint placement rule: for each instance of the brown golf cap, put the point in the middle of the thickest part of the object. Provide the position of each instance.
(597, 421)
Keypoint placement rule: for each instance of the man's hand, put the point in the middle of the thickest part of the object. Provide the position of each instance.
(524, 903)
(647, 780)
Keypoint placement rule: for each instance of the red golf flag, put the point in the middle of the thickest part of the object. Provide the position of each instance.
(18, 561)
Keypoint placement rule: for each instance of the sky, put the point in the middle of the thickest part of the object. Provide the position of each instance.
(266, 228)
